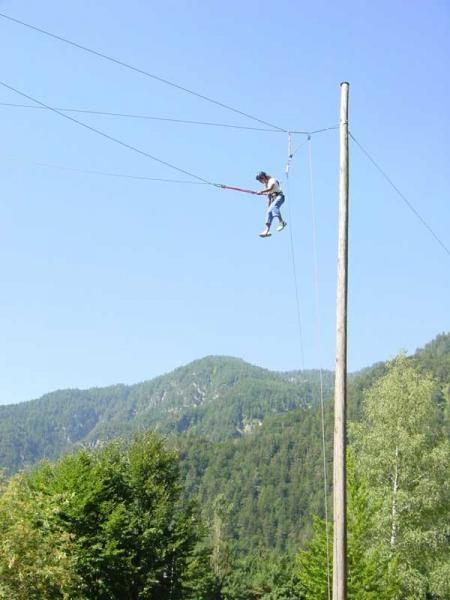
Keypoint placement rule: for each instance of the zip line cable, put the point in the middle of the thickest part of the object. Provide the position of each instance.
(317, 131)
(102, 173)
(165, 119)
(138, 70)
(402, 196)
(126, 145)
(109, 137)
(319, 344)
(144, 117)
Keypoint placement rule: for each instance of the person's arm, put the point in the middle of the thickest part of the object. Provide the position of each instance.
(267, 191)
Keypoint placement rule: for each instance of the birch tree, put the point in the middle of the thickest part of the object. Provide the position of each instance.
(405, 458)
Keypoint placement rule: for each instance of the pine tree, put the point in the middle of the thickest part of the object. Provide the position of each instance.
(370, 575)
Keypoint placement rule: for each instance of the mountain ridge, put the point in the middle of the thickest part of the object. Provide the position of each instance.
(215, 396)
(249, 440)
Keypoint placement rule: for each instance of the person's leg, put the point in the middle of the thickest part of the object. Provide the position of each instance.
(266, 231)
(276, 211)
(282, 224)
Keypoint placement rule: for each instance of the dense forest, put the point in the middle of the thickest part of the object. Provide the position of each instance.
(215, 397)
(208, 483)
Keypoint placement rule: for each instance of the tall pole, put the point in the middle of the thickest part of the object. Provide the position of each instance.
(340, 393)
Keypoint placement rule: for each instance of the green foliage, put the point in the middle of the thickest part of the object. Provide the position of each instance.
(215, 397)
(370, 576)
(45, 428)
(250, 447)
(130, 536)
(435, 358)
(270, 481)
(404, 454)
(220, 555)
(37, 559)
(262, 577)
(314, 564)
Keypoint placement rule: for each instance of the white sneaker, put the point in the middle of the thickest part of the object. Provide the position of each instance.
(265, 234)
(281, 226)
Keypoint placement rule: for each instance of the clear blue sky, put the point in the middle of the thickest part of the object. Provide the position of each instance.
(110, 280)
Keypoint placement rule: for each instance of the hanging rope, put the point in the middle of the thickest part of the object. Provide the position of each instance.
(319, 345)
(294, 266)
(289, 158)
(318, 330)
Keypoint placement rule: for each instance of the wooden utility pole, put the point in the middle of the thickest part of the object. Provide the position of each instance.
(340, 392)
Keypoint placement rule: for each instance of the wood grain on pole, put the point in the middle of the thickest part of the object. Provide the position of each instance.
(339, 464)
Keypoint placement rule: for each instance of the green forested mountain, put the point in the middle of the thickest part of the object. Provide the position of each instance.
(267, 484)
(435, 358)
(271, 481)
(249, 443)
(215, 397)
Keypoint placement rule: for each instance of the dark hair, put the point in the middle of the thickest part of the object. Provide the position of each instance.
(261, 175)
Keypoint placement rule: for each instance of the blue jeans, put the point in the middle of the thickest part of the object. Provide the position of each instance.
(274, 209)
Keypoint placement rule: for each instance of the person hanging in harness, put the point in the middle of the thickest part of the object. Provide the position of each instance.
(275, 199)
